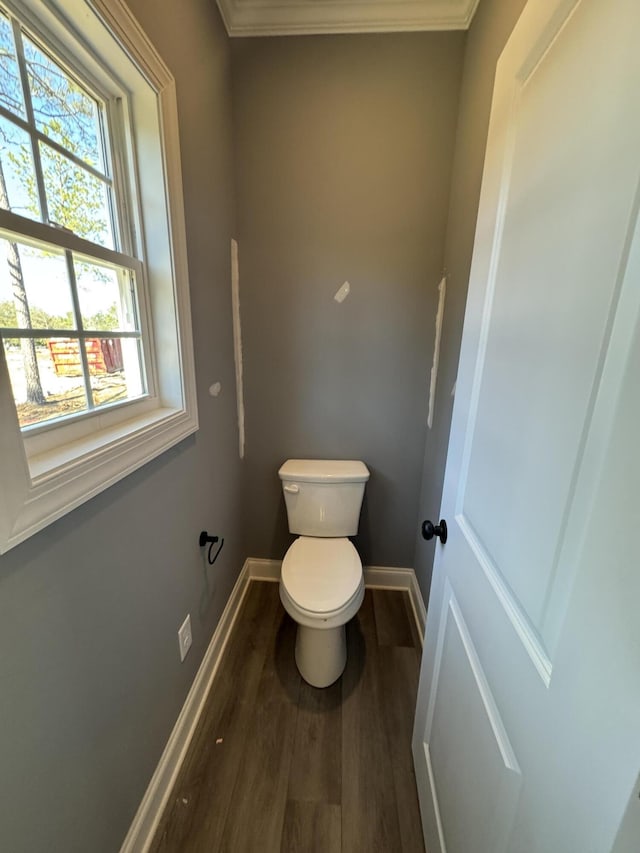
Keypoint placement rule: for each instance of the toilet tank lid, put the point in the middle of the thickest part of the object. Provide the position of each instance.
(324, 471)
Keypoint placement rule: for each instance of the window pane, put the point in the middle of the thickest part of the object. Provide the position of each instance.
(77, 199)
(46, 379)
(18, 188)
(106, 297)
(10, 85)
(114, 367)
(62, 109)
(34, 288)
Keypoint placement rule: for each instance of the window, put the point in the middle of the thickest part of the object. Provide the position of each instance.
(70, 322)
(96, 366)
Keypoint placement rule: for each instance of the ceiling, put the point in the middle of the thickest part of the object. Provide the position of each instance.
(304, 17)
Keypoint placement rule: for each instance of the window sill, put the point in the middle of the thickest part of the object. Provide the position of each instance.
(61, 479)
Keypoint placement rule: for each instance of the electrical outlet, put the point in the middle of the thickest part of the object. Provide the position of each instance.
(184, 637)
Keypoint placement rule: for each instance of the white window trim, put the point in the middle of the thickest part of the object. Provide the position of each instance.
(38, 488)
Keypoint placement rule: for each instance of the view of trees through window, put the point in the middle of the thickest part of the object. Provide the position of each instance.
(69, 321)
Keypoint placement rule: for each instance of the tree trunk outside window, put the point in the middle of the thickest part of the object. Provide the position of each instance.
(27, 345)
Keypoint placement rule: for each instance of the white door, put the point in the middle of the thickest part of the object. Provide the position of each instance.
(527, 734)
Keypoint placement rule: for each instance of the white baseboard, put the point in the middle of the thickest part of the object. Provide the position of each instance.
(147, 818)
(264, 570)
(381, 577)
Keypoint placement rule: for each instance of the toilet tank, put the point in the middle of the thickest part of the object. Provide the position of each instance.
(323, 496)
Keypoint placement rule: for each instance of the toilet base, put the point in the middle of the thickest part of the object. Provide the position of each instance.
(321, 654)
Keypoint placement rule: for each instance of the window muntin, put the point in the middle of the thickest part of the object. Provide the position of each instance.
(72, 323)
(76, 317)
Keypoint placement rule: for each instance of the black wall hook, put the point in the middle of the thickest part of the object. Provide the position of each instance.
(202, 541)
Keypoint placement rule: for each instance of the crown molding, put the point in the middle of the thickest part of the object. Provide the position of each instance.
(308, 17)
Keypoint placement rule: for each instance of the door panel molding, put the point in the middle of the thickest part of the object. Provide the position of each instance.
(491, 763)
(516, 614)
(434, 816)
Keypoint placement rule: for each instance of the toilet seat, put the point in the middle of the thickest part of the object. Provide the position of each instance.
(328, 619)
(322, 577)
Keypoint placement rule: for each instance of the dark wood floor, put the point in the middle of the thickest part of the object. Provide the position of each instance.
(276, 765)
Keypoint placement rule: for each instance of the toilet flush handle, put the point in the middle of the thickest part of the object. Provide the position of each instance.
(291, 488)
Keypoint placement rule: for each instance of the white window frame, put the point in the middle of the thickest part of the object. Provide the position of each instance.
(47, 474)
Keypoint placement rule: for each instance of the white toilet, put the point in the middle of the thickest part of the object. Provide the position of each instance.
(321, 585)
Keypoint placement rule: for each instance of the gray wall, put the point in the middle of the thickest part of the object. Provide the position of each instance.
(90, 679)
(344, 147)
(489, 32)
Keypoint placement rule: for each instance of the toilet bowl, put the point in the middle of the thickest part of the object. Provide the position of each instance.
(321, 588)
(322, 585)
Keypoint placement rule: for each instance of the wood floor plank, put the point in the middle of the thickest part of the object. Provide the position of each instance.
(311, 828)
(297, 768)
(392, 623)
(196, 812)
(399, 671)
(369, 813)
(255, 815)
(316, 766)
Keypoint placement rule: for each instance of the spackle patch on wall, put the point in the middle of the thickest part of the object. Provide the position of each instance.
(237, 342)
(442, 288)
(343, 292)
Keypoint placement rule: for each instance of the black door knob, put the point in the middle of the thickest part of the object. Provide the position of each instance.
(439, 530)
